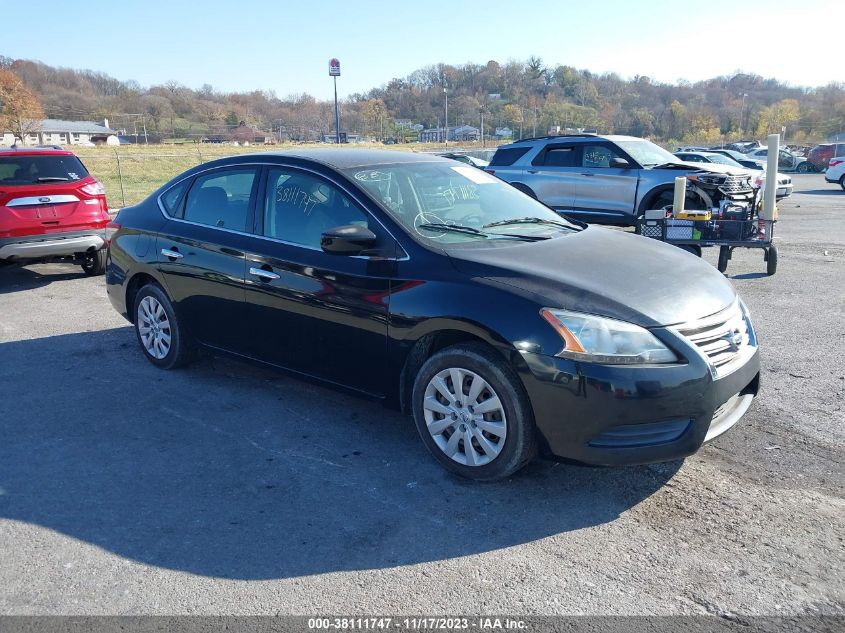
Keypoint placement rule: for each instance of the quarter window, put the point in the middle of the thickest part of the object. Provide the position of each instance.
(221, 199)
(300, 207)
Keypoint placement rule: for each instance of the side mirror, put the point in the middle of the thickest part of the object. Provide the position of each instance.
(620, 163)
(350, 239)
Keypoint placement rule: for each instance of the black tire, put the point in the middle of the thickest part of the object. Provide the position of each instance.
(181, 351)
(520, 444)
(842, 182)
(724, 256)
(666, 198)
(804, 168)
(524, 189)
(771, 260)
(94, 262)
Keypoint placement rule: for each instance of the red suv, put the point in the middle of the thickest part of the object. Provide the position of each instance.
(821, 154)
(51, 208)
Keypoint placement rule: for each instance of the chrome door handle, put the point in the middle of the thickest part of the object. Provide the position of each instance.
(266, 275)
(588, 174)
(532, 171)
(171, 254)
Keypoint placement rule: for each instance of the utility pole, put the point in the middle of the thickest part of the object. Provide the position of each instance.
(481, 109)
(741, 110)
(446, 92)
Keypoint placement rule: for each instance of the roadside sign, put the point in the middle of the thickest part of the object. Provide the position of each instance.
(334, 68)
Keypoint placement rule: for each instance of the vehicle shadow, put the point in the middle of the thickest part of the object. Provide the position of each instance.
(227, 470)
(749, 276)
(14, 278)
(820, 192)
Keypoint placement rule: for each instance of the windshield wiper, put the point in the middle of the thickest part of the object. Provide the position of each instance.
(456, 228)
(51, 179)
(528, 220)
(459, 228)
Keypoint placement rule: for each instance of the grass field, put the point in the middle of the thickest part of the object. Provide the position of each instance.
(132, 172)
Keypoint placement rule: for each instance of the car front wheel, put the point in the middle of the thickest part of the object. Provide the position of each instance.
(473, 414)
(159, 332)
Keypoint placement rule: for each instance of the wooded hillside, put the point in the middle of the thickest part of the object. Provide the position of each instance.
(530, 97)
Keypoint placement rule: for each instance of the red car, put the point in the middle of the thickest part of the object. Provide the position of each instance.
(821, 154)
(51, 209)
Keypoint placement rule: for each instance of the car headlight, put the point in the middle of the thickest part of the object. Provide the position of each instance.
(595, 339)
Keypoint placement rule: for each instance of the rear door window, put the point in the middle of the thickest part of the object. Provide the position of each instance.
(37, 170)
(221, 198)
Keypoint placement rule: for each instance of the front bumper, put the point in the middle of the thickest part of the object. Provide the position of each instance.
(615, 415)
(51, 245)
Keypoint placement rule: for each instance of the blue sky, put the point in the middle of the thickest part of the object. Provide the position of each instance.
(285, 46)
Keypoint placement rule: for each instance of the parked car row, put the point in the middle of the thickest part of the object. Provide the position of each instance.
(376, 271)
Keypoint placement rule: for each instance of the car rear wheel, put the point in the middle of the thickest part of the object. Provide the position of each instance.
(472, 413)
(803, 168)
(842, 182)
(94, 262)
(160, 334)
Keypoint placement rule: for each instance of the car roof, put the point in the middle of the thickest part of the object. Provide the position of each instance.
(34, 151)
(700, 152)
(585, 136)
(353, 157)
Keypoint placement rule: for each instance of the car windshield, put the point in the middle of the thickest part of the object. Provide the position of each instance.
(452, 203)
(722, 160)
(647, 153)
(36, 170)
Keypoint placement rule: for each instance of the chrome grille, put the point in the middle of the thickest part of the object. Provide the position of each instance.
(722, 337)
(735, 184)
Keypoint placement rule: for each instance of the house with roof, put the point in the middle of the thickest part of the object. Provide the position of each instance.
(60, 132)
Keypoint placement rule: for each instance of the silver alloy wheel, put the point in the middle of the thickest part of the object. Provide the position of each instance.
(154, 327)
(465, 416)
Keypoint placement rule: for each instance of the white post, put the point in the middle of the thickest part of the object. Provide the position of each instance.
(680, 195)
(770, 189)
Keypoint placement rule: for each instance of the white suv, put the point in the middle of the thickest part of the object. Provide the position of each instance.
(836, 171)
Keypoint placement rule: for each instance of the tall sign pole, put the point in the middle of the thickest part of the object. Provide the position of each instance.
(334, 73)
(446, 93)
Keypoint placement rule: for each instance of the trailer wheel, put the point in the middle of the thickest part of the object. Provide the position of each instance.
(724, 256)
(771, 260)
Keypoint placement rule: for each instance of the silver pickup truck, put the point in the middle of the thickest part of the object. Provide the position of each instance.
(606, 179)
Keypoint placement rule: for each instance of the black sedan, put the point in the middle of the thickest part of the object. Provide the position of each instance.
(502, 327)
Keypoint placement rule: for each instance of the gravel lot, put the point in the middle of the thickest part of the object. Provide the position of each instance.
(223, 488)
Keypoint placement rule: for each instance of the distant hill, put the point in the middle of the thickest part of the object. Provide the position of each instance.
(529, 97)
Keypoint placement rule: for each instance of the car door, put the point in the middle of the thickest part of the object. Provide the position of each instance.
(602, 191)
(552, 175)
(201, 254)
(320, 314)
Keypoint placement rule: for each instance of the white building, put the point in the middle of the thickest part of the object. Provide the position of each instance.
(58, 132)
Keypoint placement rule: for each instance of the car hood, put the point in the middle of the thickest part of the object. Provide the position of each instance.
(605, 272)
(717, 168)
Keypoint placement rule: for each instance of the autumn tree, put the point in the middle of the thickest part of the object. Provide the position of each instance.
(20, 110)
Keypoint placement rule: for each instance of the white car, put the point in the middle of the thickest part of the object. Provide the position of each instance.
(836, 171)
(787, 161)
